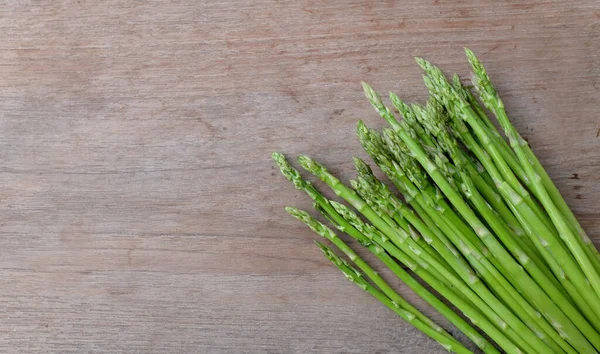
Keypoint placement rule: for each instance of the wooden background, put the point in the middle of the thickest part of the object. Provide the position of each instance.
(140, 210)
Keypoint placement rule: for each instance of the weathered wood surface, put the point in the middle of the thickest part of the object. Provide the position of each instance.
(140, 209)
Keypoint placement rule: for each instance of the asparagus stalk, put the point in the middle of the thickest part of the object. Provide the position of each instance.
(356, 277)
(409, 172)
(532, 169)
(555, 250)
(433, 120)
(450, 146)
(502, 286)
(475, 258)
(577, 287)
(325, 207)
(327, 233)
(460, 130)
(580, 288)
(560, 320)
(509, 223)
(472, 212)
(441, 88)
(474, 288)
(513, 162)
(371, 187)
(353, 222)
(434, 205)
(341, 223)
(405, 185)
(419, 195)
(504, 148)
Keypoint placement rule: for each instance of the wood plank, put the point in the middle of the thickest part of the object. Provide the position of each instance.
(140, 209)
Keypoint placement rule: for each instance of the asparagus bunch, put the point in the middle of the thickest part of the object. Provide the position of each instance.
(476, 217)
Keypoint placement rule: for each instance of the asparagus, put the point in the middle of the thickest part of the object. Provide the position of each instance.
(371, 187)
(545, 235)
(419, 195)
(581, 290)
(474, 290)
(435, 204)
(356, 277)
(559, 215)
(450, 146)
(508, 221)
(505, 150)
(481, 223)
(433, 210)
(499, 285)
(327, 233)
(560, 320)
(465, 306)
(353, 230)
(562, 256)
(433, 120)
(441, 89)
(564, 259)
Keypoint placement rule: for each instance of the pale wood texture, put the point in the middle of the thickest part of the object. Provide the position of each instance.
(141, 212)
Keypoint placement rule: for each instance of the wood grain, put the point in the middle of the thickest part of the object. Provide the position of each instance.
(140, 210)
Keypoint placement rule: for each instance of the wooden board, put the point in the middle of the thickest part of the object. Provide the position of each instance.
(141, 212)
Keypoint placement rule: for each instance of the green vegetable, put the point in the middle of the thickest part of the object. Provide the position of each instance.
(481, 223)
(450, 344)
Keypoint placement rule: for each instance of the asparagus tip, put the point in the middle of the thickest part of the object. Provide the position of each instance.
(355, 185)
(371, 95)
(362, 131)
(397, 102)
(317, 169)
(424, 64)
(456, 80)
(284, 166)
(482, 82)
(323, 212)
(307, 163)
(361, 125)
(362, 167)
(278, 157)
(401, 106)
(349, 272)
(295, 212)
(470, 55)
(339, 207)
(330, 255)
(314, 224)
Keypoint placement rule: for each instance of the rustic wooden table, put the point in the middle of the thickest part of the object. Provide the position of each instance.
(141, 212)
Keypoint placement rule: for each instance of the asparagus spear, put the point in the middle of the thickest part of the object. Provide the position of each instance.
(577, 287)
(412, 182)
(372, 188)
(560, 320)
(353, 230)
(508, 221)
(327, 233)
(439, 86)
(466, 205)
(556, 207)
(474, 290)
(434, 120)
(505, 150)
(404, 185)
(351, 223)
(581, 282)
(356, 277)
